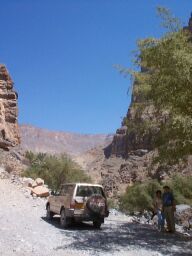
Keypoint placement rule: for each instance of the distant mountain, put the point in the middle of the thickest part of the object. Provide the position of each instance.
(56, 142)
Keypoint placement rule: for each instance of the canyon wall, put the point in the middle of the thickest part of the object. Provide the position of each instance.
(9, 132)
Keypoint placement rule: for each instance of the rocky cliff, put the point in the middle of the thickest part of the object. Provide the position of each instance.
(139, 126)
(129, 158)
(9, 132)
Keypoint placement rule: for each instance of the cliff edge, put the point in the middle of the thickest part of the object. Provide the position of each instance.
(9, 131)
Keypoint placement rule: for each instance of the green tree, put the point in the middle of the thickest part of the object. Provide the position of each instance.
(55, 170)
(167, 65)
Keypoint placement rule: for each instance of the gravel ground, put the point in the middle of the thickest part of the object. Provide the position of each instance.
(24, 231)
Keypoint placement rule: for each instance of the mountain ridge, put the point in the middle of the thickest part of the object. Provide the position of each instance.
(57, 142)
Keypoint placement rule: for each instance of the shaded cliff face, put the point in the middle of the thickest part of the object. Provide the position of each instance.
(138, 129)
(9, 132)
(130, 156)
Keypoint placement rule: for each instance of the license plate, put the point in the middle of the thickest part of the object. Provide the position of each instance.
(79, 205)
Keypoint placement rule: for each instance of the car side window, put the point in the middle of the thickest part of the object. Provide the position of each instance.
(66, 190)
(63, 191)
(70, 189)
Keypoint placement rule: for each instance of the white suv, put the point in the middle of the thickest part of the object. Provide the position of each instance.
(78, 202)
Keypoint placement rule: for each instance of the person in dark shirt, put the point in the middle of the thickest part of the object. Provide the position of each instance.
(169, 209)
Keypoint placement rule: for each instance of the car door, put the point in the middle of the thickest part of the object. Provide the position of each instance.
(53, 200)
(64, 199)
(58, 199)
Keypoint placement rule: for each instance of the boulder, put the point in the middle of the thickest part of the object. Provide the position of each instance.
(40, 191)
(39, 181)
(27, 182)
(34, 184)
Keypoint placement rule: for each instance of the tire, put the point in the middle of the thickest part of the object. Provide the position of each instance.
(64, 223)
(96, 204)
(97, 224)
(49, 214)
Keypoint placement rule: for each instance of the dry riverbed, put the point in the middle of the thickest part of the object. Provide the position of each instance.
(24, 231)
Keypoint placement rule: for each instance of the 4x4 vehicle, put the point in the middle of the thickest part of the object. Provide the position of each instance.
(78, 202)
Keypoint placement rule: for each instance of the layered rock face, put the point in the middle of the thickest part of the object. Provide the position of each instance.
(9, 132)
(138, 128)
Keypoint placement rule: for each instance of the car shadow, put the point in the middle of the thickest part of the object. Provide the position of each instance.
(125, 236)
(73, 226)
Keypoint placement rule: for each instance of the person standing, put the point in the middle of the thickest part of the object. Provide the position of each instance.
(158, 209)
(169, 209)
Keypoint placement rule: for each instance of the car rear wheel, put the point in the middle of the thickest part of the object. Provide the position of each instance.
(97, 224)
(63, 219)
(49, 214)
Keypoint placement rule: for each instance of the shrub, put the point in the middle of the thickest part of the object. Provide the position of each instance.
(55, 170)
(182, 188)
(139, 197)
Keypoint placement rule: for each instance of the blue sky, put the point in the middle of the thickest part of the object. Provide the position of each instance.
(61, 53)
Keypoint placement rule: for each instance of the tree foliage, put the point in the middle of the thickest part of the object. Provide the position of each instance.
(55, 170)
(167, 66)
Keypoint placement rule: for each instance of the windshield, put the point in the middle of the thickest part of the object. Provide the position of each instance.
(86, 191)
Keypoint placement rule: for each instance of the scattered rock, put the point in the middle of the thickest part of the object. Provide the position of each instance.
(40, 191)
(141, 152)
(34, 184)
(183, 216)
(39, 181)
(3, 173)
(27, 182)
(36, 188)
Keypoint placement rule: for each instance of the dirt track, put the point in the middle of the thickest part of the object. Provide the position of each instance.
(24, 231)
